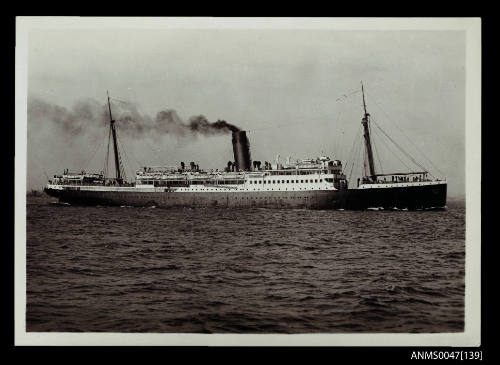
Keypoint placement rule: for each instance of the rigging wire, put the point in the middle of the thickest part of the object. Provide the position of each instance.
(414, 145)
(127, 161)
(338, 137)
(106, 162)
(354, 154)
(121, 101)
(376, 150)
(391, 151)
(151, 146)
(99, 143)
(357, 158)
(120, 163)
(401, 149)
(366, 171)
(351, 155)
(120, 167)
(139, 163)
(122, 148)
(345, 96)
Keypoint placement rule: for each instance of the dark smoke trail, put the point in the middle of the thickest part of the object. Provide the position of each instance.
(88, 114)
(84, 114)
(201, 125)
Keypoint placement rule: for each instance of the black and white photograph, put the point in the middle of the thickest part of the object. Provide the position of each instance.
(200, 181)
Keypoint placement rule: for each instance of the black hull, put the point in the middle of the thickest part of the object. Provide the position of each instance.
(320, 199)
(407, 197)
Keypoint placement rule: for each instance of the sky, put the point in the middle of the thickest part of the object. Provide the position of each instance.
(296, 92)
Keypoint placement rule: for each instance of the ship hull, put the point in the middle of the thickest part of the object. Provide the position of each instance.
(406, 197)
(313, 199)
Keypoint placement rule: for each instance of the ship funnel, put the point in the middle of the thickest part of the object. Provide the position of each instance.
(241, 150)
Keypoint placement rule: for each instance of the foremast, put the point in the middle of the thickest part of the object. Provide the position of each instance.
(119, 170)
(368, 144)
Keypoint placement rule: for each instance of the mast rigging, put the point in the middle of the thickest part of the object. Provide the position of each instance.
(368, 143)
(119, 170)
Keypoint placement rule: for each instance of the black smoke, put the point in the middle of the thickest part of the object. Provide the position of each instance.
(89, 114)
(84, 114)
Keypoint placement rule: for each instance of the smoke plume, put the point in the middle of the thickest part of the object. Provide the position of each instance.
(89, 114)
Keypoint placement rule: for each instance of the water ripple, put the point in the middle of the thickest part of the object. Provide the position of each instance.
(259, 270)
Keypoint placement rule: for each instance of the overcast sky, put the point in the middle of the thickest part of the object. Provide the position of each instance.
(286, 87)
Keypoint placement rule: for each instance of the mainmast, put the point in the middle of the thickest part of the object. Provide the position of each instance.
(368, 143)
(118, 165)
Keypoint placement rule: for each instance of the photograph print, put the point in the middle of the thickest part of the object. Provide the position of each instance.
(235, 176)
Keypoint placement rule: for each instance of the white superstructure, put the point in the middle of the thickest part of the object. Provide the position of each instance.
(310, 174)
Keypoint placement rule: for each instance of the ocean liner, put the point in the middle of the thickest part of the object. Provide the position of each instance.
(318, 183)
